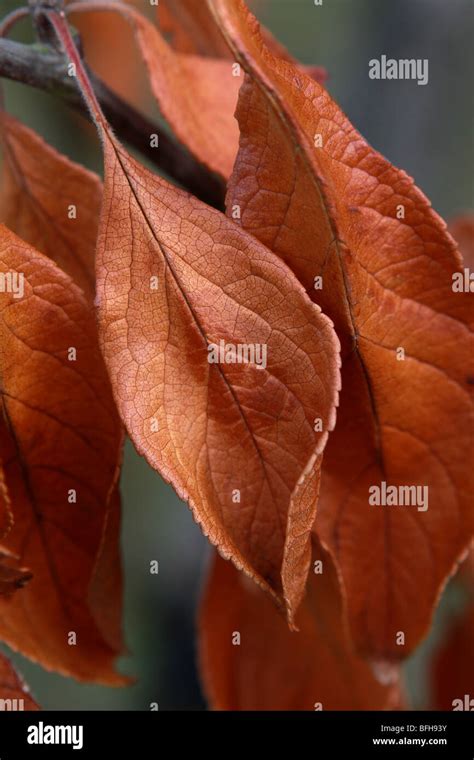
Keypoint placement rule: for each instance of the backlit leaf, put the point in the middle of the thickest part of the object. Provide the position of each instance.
(251, 661)
(60, 444)
(366, 244)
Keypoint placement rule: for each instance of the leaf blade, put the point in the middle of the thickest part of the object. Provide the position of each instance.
(329, 209)
(215, 284)
(59, 441)
(272, 668)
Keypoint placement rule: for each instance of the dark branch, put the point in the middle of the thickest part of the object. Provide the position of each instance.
(40, 66)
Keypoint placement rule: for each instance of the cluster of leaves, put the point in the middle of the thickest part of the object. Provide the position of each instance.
(121, 302)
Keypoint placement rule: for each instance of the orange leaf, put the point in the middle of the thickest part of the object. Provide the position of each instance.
(197, 96)
(40, 186)
(60, 444)
(14, 694)
(311, 188)
(236, 440)
(50, 202)
(271, 668)
(234, 432)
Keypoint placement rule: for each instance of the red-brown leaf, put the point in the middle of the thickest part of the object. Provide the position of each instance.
(331, 211)
(175, 277)
(214, 430)
(273, 668)
(60, 431)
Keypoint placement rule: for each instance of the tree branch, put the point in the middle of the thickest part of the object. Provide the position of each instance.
(41, 67)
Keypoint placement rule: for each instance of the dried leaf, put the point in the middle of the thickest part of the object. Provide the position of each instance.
(310, 187)
(177, 283)
(14, 694)
(251, 661)
(50, 202)
(60, 442)
(236, 440)
(39, 212)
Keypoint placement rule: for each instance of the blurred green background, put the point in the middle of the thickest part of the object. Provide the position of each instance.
(427, 130)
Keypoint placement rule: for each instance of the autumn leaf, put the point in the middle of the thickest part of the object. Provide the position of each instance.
(49, 201)
(251, 661)
(240, 438)
(197, 96)
(192, 29)
(462, 230)
(40, 187)
(237, 441)
(60, 443)
(12, 577)
(366, 244)
(14, 694)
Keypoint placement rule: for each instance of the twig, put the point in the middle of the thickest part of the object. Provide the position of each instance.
(41, 67)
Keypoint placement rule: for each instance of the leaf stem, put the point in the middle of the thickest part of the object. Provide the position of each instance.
(61, 29)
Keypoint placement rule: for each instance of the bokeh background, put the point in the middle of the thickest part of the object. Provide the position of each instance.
(427, 130)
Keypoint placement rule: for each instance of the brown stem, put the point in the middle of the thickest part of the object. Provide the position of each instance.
(42, 67)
